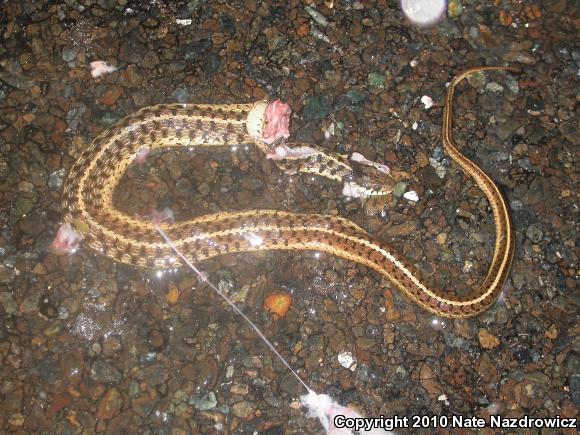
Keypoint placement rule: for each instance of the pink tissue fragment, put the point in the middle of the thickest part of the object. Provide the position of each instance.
(277, 122)
(66, 241)
(100, 67)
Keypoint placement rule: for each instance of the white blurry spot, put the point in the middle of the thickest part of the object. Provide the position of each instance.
(234, 148)
(438, 324)
(443, 398)
(159, 274)
(346, 359)
(414, 126)
(413, 63)
(411, 195)
(317, 255)
(183, 22)
(246, 148)
(494, 408)
(424, 12)
(329, 132)
(255, 240)
(427, 101)
(100, 67)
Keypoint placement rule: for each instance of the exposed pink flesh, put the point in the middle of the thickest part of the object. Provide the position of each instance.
(277, 122)
(322, 406)
(66, 241)
(100, 67)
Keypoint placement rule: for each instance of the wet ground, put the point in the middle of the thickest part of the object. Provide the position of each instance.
(87, 345)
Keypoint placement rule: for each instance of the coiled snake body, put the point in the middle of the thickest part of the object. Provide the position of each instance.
(91, 217)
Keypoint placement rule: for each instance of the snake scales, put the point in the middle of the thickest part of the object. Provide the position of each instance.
(91, 217)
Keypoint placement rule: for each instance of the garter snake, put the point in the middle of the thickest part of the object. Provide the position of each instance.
(90, 215)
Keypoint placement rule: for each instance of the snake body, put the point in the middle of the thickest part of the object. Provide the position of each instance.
(90, 213)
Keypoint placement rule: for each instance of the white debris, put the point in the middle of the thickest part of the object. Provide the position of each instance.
(346, 359)
(424, 12)
(322, 406)
(411, 195)
(414, 126)
(414, 63)
(329, 132)
(438, 324)
(443, 398)
(100, 67)
(183, 22)
(427, 101)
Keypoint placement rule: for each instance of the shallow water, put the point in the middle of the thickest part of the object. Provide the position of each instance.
(88, 345)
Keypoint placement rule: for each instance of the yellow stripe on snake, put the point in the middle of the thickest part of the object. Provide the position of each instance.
(91, 217)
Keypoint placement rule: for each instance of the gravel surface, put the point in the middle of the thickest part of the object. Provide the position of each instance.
(87, 345)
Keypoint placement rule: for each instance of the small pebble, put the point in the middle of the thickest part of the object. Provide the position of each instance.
(316, 16)
(411, 196)
(376, 80)
(181, 95)
(399, 189)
